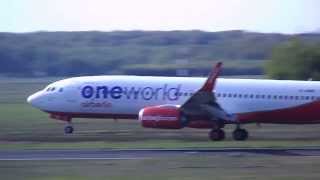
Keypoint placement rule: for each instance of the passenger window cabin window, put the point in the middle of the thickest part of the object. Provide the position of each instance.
(269, 96)
(262, 96)
(224, 95)
(235, 95)
(61, 90)
(245, 96)
(275, 97)
(229, 95)
(307, 97)
(240, 96)
(251, 96)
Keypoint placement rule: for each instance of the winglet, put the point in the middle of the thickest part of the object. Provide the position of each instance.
(210, 82)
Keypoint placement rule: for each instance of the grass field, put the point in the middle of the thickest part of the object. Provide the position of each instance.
(23, 127)
(185, 168)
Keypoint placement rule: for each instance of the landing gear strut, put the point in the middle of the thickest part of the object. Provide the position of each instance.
(240, 134)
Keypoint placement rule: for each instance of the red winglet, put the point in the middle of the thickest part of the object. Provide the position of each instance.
(210, 82)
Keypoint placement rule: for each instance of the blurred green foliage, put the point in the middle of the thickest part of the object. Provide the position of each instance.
(135, 52)
(296, 60)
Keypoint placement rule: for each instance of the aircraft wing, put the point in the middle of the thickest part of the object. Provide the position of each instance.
(204, 104)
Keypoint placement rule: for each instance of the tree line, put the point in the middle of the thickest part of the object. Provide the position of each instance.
(137, 52)
(295, 60)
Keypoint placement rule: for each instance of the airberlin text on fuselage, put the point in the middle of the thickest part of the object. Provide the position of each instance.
(146, 93)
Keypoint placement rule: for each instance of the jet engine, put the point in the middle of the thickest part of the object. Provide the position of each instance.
(162, 117)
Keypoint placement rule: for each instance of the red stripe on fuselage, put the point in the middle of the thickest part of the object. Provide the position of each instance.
(304, 114)
(94, 115)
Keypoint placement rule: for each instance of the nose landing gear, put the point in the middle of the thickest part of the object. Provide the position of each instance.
(68, 129)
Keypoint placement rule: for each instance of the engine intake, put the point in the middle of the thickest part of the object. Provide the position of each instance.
(162, 117)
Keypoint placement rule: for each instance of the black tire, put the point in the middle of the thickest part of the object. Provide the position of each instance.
(216, 135)
(68, 130)
(240, 134)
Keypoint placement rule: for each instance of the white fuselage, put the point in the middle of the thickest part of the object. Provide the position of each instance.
(127, 95)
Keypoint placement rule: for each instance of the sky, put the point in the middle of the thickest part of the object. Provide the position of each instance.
(279, 16)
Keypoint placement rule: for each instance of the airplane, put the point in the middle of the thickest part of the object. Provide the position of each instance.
(179, 102)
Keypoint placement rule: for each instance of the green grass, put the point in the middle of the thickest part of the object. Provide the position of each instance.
(185, 167)
(155, 144)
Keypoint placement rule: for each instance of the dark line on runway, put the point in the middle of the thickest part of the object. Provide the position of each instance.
(136, 154)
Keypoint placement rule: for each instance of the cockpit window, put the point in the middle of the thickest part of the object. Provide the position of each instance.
(50, 89)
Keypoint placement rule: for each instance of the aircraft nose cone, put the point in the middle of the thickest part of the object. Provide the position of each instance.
(34, 99)
(30, 99)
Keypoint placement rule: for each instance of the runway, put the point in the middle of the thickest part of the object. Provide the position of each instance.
(136, 154)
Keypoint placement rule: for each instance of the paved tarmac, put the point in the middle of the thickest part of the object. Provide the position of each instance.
(133, 154)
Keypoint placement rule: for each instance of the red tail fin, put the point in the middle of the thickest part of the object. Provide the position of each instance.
(210, 82)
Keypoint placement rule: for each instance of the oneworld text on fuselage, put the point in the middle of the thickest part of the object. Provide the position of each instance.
(164, 92)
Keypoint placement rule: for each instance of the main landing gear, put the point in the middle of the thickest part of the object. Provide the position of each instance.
(218, 134)
(240, 134)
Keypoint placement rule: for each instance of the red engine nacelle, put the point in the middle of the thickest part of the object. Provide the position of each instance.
(162, 117)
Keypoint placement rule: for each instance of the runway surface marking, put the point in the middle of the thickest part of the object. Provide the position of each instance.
(62, 159)
(139, 154)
